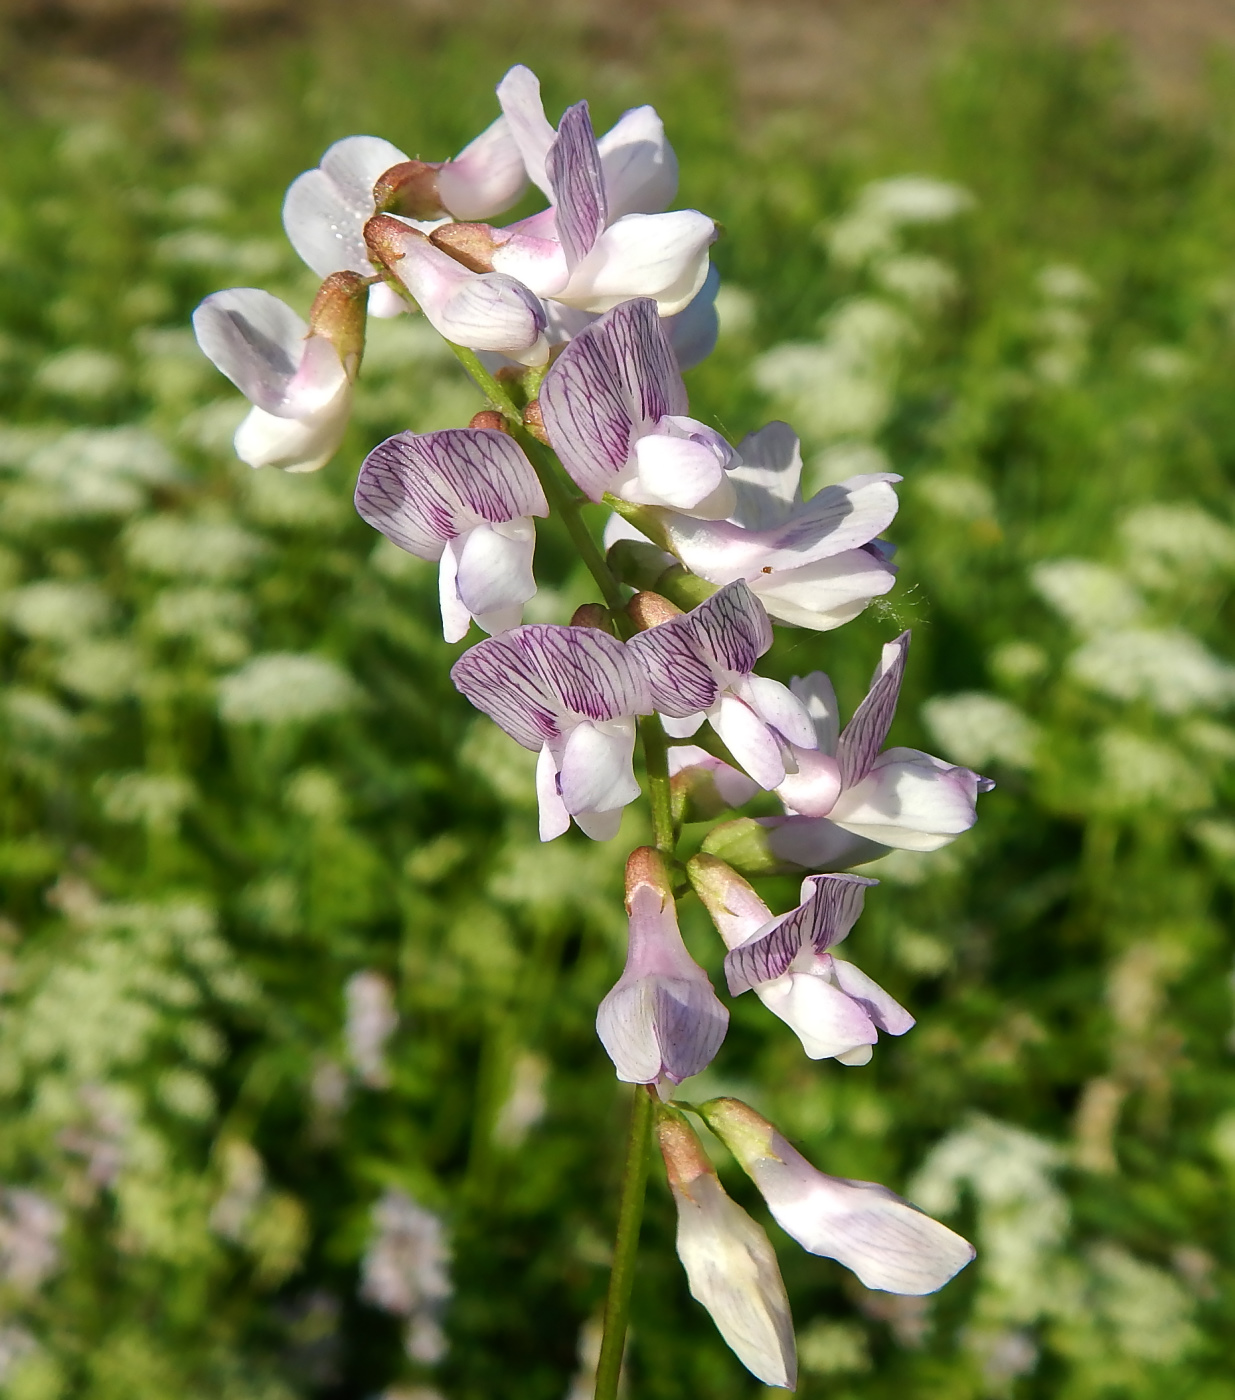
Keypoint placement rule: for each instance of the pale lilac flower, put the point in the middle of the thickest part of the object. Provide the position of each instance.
(614, 407)
(886, 1241)
(835, 1010)
(326, 209)
(371, 1021)
(30, 1230)
(298, 376)
(662, 1018)
(599, 244)
(572, 693)
(405, 1271)
(729, 1262)
(466, 497)
(812, 563)
(700, 666)
(481, 310)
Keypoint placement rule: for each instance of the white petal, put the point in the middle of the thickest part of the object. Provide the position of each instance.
(682, 727)
(626, 1025)
(519, 94)
(599, 826)
(456, 615)
(824, 1019)
(486, 177)
(664, 256)
(640, 168)
(825, 594)
(909, 800)
(766, 477)
(816, 693)
(884, 1010)
(672, 471)
(811, 791)
(748, 739)
(294, 445)
(597, 774)
(325, 210)
(781, 709)
(255, 339)
(495, 566)
(554, 818)
(385, 302)
(815, 843)
(693, 332)
(539, 263)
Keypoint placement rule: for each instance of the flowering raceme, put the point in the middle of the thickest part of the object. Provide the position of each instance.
(576, 323)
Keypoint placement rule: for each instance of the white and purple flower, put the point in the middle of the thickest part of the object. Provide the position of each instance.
(466, 497)
(662, 1019)
(700, 665)
(835, 1010)
(572, 694)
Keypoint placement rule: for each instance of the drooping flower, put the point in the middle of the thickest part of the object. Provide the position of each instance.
(812, 563)
(571, 693)
(700, 666)
(297, 376)
(835, 1010)
(465, 496)
(326, 209)
(890, 1244)
(662, 1018)
(481, 310)
(614, 407)
(730, 1264)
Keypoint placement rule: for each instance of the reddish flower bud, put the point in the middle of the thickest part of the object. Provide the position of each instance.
(650, 610)
(409, 188)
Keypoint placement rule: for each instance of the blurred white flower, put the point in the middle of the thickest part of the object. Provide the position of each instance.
(834, 1348)
(1167, 543)
(957, 497)
(1092, 597)
(187, 1094)
(16, 1344)
(872, 224)
(925, 282)
(1149, 1312)
(736, 311)
(101, 671)
(177, 548)
(284, 688)
(405, 1271)
(1138, 773)
(1063, 282)
(976, 729)
(371, 1021)
(56, 611)
(244, 1181)
(91, 472)
(525, 1103)
(87, 375)
(1173, 671)
(1165, 363)
(154, 799)
(1018, 661)
(30, 1230)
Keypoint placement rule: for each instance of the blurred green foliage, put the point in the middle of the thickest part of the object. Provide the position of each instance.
(241, 805)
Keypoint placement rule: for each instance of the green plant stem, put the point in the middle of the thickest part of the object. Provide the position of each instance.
(656, 762)
(626, 1246)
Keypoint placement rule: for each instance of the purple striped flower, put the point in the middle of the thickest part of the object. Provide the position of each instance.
(614, 406)
(662, 1019)
(571, 693)
(835, 1010)
(700, 667)
(464, 496)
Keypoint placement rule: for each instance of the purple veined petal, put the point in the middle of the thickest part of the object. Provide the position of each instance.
(486, 177)
(865, 733)
(640, 167)
(495, 567)
(836, 904)
(826, 594)
(554, 818)
(818, 696)
(456, 615)
(533, 678)
(766, 954)
(682, 682)
(749, 740)
(255, 339)
(825, 1020)
(731, 629)
(614, 382)
(692, 333)
(421, 489)
(781, 710)
(911, 801)
(597, 772)
(325, 209)
(662, 256)
(573, 168)
(884, 1010)
(519, 95)
(815, 843)
(811, 791)
(766, 476)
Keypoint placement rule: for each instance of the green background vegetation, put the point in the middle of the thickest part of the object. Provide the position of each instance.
(186, 892)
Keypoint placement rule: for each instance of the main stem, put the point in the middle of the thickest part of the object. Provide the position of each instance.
(626, 1246)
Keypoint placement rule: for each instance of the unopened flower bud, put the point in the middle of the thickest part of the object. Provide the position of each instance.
(650, 610)
(491, 419)
(409, 188)
(593, 615)
(696, 797)
(730, 1265)
(682, 587)
(888, 1243)
(473, 245)
(534, 422)
(646, 868)
(637, 562)
(726, 896)
(743, 844)
(338, 314)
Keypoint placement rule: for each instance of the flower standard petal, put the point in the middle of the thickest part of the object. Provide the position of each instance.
(864, 734)
(257, 341)
(519, 96)
(325, 210)
(883, 1239)
(575, 177)
(486, 177)
(640, 167)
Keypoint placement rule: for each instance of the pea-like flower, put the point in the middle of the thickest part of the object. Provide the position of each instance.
(614, 407)
(466, 497)
(729, 1261)
(700, 665)
(298, 376)
(890, 1244)
(835, 1010)
(572, 694)
(662, 1019)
